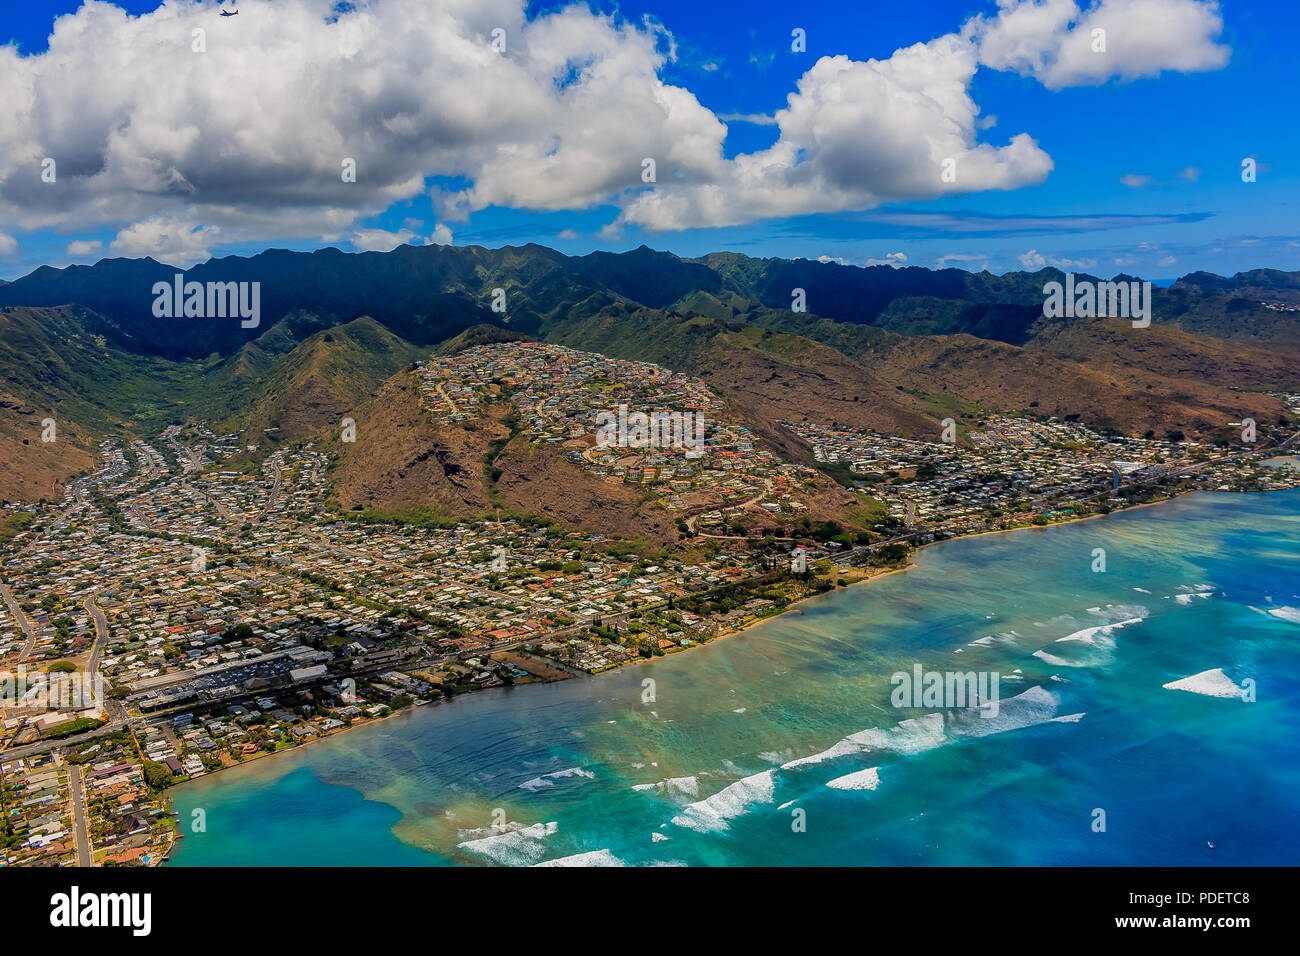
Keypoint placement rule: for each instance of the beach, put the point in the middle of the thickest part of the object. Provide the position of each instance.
(737, 736)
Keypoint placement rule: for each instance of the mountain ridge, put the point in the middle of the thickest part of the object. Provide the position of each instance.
(888, 349)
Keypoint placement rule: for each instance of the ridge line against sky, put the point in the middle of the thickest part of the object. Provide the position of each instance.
(1107, 138)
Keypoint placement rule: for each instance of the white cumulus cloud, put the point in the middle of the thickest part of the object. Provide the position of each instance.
(179, 146)
(1060, 44)
(856, 134)
(384, 240)
(168, 240)
(379, 240)
(84, 247)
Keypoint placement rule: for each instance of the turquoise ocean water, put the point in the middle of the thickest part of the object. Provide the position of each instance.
(781, 746)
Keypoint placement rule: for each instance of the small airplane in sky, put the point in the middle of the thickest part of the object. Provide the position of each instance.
(230, 13)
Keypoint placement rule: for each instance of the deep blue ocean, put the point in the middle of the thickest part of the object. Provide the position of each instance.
(781, 746)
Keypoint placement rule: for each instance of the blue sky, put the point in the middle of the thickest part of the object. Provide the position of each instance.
(1145, 173)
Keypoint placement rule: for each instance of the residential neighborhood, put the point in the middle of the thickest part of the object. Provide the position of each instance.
(180, 612)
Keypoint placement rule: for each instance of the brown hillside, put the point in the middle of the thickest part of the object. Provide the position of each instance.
(1104, 371)
(537, 479)
(31, 469)
(401, 460)
(775, 377)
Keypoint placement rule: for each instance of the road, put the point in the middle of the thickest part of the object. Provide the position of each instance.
(275, 491)
(442, 392)
(21, 618)
(101, 632)
(226, 514)
(196, 463)
(80, 825)
(131, 511)
(44, 746)
(692, 516)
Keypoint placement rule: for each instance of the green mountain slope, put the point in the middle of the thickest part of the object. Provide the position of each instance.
(893, 350)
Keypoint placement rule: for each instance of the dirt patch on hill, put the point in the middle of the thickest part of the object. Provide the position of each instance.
(538, 479)
(816, 384)
(402, 460)
(32, 469)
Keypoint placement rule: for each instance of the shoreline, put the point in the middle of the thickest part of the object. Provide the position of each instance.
(929, 544)
(961, 537)
(867, 579)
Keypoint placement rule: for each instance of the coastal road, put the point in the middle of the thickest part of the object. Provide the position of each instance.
(45, 746)
(80, 825)
(21, 618)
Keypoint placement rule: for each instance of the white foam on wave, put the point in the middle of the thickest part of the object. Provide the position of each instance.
(673, 787)
(1094, 635)
(841, 749)
(1099, 637)
(1211, 683)
(592, 858)
(657, 837)
(910, 736)
(1054, 660)
(1069, 718)
(1006, 637)
(727, 804)
(918, 734)
(1291, 614)
(868, 779)
(1122, 611)
(1190, 591)
(907, 737)
(1036, 705)
(548, 779)
(518, 845)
